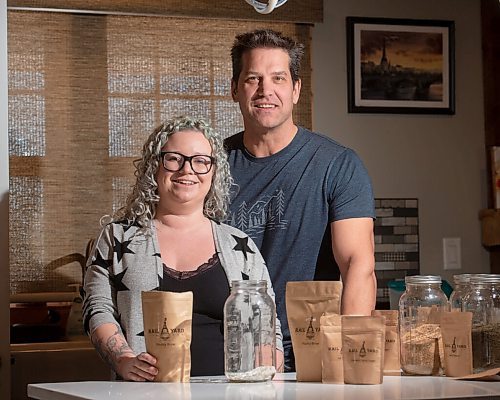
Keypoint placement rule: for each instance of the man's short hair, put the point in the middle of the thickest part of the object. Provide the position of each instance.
(266, 38)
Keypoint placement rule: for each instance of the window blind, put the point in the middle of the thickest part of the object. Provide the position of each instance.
(85, 90)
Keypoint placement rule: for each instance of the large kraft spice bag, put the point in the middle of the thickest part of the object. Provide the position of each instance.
(167, 330)
(306, 302)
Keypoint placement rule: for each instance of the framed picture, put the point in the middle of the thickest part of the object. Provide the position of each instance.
(402, 66)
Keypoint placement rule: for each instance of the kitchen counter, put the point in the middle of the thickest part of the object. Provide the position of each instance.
(283, 386)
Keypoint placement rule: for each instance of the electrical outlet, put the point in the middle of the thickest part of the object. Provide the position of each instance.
(452, 253)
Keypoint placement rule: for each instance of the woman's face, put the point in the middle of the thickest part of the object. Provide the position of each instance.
(185, 190)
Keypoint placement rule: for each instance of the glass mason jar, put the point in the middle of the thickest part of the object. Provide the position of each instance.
(420, 307)
(483, 300)
(462, 285)
(249, 333)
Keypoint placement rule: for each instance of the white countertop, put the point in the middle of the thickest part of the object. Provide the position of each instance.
(283, 386)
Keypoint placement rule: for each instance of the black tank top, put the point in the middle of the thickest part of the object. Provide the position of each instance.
(210, 290)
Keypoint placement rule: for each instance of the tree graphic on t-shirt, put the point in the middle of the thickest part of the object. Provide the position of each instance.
(265, 214)
(280, 204)
(242, 217)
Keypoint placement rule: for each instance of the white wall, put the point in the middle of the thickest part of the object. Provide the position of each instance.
(4, 212)
(438, 159)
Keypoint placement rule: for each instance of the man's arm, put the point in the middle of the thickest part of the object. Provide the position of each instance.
(353, 249)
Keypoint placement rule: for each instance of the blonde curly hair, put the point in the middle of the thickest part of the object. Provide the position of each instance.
(140, 208)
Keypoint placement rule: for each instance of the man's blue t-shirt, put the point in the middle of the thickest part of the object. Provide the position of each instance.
(285, 203)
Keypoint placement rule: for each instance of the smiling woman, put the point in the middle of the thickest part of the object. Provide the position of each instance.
(169, 237)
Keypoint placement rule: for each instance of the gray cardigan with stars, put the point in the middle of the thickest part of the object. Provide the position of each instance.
(125, 261)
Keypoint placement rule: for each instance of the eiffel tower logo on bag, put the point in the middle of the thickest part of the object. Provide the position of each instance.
(362, 351)
(310, 329)
(164, 334)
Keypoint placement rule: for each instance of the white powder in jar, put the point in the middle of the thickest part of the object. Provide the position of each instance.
(258, 374)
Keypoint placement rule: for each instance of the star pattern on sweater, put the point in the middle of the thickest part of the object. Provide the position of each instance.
(119, 320)
(116, 280)
(121, 248)
(126, 225)
(126, 228)
(101, 262)
(242, 245)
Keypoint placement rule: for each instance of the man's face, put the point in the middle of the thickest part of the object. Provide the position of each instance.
(265, 90)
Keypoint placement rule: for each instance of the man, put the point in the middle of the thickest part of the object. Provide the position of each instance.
(304, 199)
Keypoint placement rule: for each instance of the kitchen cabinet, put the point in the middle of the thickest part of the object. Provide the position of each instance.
(54, 362)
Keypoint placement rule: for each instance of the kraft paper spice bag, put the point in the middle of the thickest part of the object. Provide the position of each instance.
(363, 348)
(167, 330)
(392, 361)
(306, 301)
(332, 368)
(456, 329)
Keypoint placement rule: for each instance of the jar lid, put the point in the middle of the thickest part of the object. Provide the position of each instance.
(485, 278)
(420, 279)
(249, 284)
(461, 278)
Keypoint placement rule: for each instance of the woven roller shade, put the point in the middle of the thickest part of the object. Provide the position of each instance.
(298, 11)
(84, 93)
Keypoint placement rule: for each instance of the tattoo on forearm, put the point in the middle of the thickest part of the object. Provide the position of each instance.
(111, 349)
(281, 367)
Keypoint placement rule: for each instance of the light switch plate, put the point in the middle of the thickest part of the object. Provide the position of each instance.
(452, 253)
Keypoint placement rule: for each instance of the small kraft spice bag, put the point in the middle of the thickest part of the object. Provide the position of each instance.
(456, 329)
(363, 344)
(392, 361)
(306, 301)
(332, 367)
(167, 320)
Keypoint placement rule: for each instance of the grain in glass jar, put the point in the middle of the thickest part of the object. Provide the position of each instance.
(249, 333)
(420, 307)
(483, 300)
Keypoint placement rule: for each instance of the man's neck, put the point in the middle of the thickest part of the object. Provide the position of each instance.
(265, 143)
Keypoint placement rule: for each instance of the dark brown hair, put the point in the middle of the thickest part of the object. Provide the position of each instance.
(266, 38)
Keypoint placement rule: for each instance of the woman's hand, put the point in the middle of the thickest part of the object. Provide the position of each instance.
(114, 349)
(139, 368)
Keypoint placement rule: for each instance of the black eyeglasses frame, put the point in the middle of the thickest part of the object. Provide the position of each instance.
(185, 159)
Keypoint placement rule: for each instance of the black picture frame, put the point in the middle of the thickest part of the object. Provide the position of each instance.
(400, 66)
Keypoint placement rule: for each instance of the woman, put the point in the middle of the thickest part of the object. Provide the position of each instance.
(169, 237)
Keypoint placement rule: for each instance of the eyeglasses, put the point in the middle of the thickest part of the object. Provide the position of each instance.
(173, 162)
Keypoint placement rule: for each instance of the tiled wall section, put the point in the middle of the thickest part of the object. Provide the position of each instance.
(396, 242)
